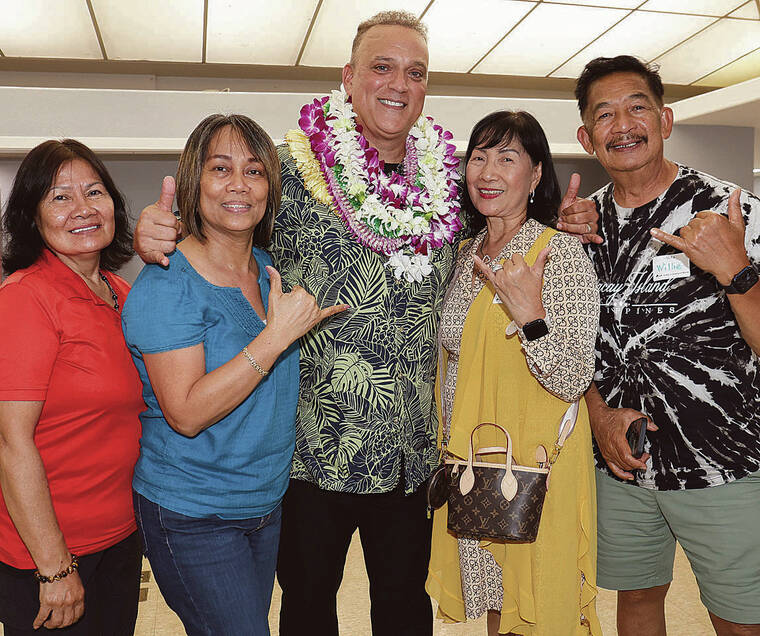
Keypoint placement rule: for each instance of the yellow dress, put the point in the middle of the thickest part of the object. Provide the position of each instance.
(548, 586)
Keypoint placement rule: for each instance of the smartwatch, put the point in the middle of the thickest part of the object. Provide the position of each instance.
(535, 329)
(742, 282)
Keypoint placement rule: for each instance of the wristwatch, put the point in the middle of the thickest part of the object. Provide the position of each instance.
(535, 329)
(742, 282)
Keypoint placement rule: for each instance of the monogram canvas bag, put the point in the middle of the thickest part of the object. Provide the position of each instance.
(501, 501)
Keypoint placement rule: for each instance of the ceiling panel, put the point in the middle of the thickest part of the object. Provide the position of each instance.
(459, 36)
(543, 40)
(748, 10)
(167, 31)
(257, 31)
(643, 34)
(39, 28)
(690, 39)
(716, 46)
(335, 27)
(742, 69)
(620, 4)
(703, 7)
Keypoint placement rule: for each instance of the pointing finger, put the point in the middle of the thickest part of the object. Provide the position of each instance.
(669, 239)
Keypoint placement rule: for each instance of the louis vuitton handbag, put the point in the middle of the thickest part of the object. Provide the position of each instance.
(501, 501)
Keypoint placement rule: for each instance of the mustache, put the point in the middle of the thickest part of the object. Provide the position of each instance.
(627, 140)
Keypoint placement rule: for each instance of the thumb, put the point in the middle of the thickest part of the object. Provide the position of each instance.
(735, 209)
(168, 187)
(275, 282)
(541, 259)
(571, 194)
(275, 289)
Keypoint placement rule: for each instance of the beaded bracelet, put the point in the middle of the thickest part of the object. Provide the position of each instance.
(253, 362)
(62, 574)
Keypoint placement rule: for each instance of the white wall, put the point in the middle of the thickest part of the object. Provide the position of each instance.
(159, 121)
(724, 151)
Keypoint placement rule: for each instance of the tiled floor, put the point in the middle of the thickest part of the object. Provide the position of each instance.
(686, 616)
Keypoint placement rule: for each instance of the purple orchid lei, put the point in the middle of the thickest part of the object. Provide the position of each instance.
(402, 217)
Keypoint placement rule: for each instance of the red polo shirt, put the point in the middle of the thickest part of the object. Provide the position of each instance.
(61, 344)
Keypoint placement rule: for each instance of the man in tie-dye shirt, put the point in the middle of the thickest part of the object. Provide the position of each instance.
(679, 342)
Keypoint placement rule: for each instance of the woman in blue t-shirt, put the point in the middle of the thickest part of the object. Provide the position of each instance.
(214, 340)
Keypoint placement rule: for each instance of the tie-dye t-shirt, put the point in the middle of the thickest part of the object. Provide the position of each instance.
(671, 348)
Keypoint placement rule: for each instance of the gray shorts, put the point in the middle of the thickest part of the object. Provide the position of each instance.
(718, 529)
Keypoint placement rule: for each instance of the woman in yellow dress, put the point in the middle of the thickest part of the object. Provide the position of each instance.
(518, 331)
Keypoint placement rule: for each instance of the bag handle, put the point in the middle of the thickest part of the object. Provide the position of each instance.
(508, 484)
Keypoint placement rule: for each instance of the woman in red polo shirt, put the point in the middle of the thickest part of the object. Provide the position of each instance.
(69, 402)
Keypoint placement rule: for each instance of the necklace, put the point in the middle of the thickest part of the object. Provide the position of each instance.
(484, 257)
(114, 296)
(401, 215)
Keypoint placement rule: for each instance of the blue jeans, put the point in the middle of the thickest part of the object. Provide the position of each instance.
(216, 574)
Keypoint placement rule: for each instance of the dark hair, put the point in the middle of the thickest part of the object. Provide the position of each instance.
(600, 67)
(191, 167)
(35, 175)
(501, 128)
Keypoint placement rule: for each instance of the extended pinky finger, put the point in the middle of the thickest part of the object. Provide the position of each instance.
(331, 311)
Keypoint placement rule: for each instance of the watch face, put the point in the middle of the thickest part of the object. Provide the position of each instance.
(744, 280)
(535, 329)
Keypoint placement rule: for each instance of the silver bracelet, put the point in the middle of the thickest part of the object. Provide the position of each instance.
(253, 362)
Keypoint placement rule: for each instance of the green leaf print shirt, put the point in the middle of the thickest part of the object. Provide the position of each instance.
(366, 407)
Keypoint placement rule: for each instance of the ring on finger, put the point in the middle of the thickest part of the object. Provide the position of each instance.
(497, 267)
(588, 228)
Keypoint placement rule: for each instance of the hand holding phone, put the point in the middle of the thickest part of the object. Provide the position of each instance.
(637, 436)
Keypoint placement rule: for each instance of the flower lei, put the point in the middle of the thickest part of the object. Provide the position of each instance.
(402, 217)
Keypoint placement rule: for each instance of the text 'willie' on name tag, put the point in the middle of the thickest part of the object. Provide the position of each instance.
(670, 266)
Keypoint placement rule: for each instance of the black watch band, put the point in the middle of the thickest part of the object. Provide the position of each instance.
(742, 282)
(535, 329)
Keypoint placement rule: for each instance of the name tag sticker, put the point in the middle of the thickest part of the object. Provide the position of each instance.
(670, 266)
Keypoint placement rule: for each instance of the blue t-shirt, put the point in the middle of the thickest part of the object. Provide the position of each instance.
(237, 468)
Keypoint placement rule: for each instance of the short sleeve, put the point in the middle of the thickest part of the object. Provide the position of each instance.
(750, 205)
(29, 343)
(162, 313)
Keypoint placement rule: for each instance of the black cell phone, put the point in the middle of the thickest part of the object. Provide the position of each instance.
(637, 436)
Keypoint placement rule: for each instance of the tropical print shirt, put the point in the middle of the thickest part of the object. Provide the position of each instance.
(670, 347)
(366, 411)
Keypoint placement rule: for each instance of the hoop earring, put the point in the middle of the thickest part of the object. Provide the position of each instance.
(531, 197)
